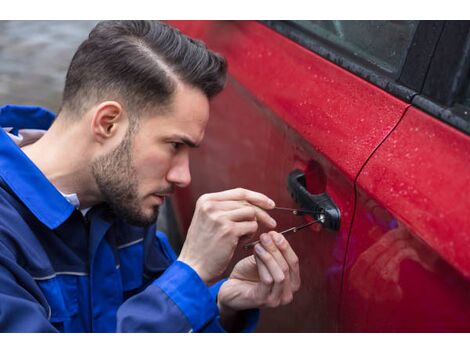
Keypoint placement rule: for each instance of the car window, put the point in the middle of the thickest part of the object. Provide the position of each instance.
(383, 44)
(465, 100)
(462, 108)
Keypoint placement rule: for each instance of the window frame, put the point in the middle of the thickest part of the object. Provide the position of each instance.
(447, 76)
(422, 82)
(354, 64)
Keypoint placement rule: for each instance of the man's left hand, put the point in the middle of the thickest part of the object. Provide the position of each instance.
(268, 278)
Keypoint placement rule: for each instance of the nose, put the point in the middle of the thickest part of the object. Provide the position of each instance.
(179, 173)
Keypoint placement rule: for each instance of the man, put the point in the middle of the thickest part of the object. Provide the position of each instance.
(79, 251)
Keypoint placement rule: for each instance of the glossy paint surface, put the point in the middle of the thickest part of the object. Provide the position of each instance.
(408, 262)
(285, 108)
(341, 115)
(237, 152)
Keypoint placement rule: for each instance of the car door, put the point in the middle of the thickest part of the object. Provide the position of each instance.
(408, 261)
(289, 105)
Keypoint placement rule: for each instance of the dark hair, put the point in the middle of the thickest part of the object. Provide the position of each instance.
(138, 63)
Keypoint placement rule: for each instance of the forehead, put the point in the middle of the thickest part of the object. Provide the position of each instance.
(188, 114)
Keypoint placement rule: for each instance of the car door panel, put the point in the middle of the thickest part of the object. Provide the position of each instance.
(229, 159)
(286, 108)
(407, 268)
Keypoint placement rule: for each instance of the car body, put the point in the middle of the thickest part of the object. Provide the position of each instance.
(374, 115)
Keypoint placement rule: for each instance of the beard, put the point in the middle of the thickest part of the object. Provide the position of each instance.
(116, 179)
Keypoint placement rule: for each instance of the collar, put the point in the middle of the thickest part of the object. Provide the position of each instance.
(72, 198)
(20, 174)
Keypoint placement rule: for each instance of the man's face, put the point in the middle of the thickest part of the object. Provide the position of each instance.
(136, 176)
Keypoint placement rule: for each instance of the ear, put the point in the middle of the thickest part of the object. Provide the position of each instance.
(107, 121)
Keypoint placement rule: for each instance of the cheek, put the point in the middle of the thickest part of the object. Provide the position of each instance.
(151, 166)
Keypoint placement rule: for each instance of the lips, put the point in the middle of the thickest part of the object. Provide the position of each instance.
(161, 196)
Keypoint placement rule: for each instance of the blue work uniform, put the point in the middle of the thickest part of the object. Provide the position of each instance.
(63, 271)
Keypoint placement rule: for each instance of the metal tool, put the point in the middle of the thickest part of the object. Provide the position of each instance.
(297, 212)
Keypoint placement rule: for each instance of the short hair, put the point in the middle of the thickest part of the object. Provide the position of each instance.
(139, 63)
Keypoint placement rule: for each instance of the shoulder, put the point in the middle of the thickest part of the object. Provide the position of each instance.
(18, 239)
(11, 220)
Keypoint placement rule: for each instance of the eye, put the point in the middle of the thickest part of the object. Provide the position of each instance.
(176, 146)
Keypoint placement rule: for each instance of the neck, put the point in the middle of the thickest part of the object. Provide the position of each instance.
(63, 155)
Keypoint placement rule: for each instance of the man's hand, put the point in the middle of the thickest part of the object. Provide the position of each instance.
(269, 278)
(219, 220)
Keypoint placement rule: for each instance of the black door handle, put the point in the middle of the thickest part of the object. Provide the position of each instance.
(319, 203)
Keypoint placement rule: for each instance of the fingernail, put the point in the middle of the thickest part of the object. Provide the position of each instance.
(266, 240)
(271, 203)
(278, 238)
(259, 249)
(272, 222)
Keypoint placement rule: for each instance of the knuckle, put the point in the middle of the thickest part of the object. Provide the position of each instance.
(273, 302)
(285, 269)
(206, 206)
(242, 192)
(268, 281)
(281, 279)
(214, 217)
(251, 212)
(282, 246)
(202, 199)
(287, 299)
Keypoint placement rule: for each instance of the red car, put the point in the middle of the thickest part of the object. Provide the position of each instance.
(367, 123)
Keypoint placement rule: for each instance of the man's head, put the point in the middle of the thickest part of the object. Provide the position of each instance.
(143, 90)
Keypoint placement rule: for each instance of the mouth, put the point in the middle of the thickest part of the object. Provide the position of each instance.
(160, 198)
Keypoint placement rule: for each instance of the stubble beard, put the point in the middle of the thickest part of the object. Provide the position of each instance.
(116, 179)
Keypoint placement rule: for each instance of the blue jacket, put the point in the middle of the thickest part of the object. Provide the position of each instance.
(62, 271)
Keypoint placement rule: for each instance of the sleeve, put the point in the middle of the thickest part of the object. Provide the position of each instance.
(22, 307)
(178, 301)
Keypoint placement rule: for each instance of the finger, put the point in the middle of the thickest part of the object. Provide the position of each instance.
(250, 212)
(240, 211)
(270, 245)
(252, 197)
(290, 257)
(278, 276)
(265, 278)
(245, 228)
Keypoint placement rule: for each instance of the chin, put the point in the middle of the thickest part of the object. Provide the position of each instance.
(143, 217)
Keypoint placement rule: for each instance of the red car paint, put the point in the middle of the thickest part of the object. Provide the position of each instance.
(408, 260)
(404, 230)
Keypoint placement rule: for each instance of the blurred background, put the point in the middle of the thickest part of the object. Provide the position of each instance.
(34, 56)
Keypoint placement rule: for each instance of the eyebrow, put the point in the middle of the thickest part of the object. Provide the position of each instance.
(186, 140)
(189, 142)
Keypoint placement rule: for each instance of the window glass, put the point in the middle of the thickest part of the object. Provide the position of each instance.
(383, 44)
(465, 100)
(462, 105)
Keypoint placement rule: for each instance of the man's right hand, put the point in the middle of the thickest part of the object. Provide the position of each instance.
(219, 220)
